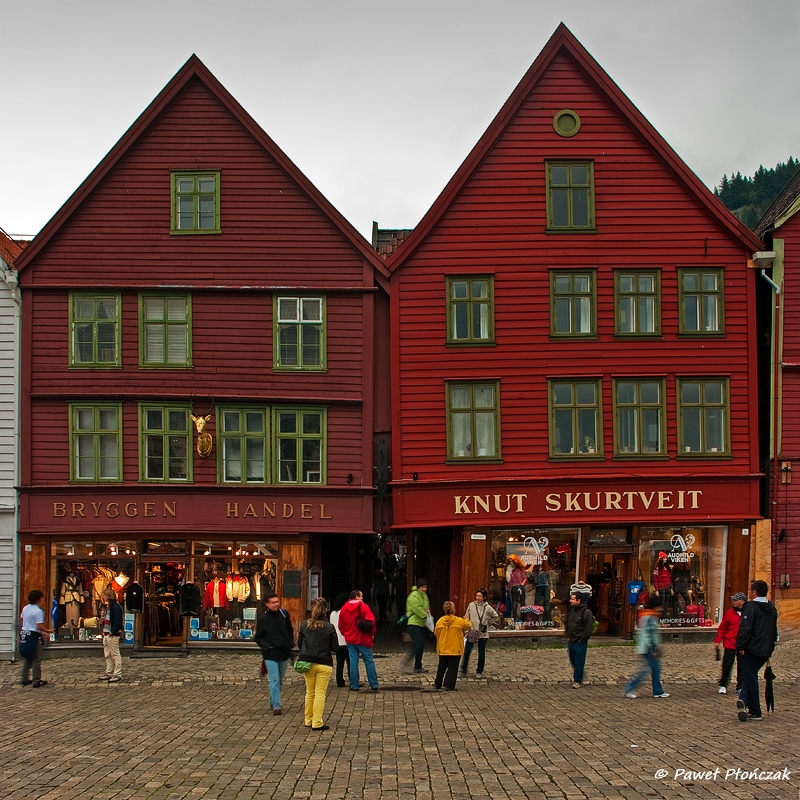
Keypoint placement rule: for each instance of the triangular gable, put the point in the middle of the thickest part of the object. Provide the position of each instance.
(564, 40)
(782, 208)
(191, 70)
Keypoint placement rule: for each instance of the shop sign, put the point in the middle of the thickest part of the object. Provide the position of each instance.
(682, 552)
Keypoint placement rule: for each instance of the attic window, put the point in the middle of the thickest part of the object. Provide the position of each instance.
(566, 123)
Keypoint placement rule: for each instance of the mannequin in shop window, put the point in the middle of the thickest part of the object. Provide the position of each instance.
(516, 578)
(216, 596)
(71, 594)
(539, 580)
(662, 581)
(681, 577)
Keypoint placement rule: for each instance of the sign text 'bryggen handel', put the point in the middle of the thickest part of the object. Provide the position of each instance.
(579, 501)
(232, 510)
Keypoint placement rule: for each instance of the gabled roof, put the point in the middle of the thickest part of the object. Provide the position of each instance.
(564, 40)
(783, 207)
(193, 69)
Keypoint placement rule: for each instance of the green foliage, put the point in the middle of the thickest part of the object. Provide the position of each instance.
(749, 198)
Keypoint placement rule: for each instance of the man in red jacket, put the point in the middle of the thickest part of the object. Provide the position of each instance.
(357, 625)
(726, 637)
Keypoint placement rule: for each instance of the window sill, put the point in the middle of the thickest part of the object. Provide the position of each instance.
(166, 366)
(704, 456)
(300, 369)
(702, 335)
(583, 337)
(203, 232)
(476, 460)
(577, 458)
(94, 366)
(641, 457)
(487, 343)
(645, 336)
(570, 230)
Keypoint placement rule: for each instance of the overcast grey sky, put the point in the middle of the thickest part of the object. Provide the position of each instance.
(379, 102)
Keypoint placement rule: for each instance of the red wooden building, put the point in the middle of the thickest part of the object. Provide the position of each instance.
(778, 553)
(574, 364)
(204, 379)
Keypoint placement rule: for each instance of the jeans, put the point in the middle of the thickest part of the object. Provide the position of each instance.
(417, 634)
(481, 655)
(750, 666)
(447, 673)
(727, 667)
(33, 664)
(577, 658)
(112, 656)
(543, 590)
(357, 650)
(317, 679)
(650, 663)
(275, 671)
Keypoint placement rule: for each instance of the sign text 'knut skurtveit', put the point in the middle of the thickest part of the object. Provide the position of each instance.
(664, 500)
(228, 510)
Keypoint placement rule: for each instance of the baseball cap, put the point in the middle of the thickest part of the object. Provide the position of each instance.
(739, 596)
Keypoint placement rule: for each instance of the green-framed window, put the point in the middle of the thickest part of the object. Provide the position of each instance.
(300, 445)
(165, 330)
(165, 443)
(570, 196)
(575, 418)
(470, 309)
(243, 437)
(95, 433)
(473, 421)
(703, 417)
(702, 308)
(639, 417)
(572, 303)
(195, 202)
(637, 302)
(94, 330)
(299, 333)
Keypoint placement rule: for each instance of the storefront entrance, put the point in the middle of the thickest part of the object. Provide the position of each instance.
(607, 575)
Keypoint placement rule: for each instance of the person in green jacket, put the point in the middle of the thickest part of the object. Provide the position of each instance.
(418, 606)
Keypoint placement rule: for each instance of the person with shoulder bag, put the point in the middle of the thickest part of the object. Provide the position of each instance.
(316, 640)
(482, 617)
(579, 627)
(648, 646)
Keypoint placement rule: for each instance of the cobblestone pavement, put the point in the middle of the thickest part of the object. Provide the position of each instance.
(200, 727)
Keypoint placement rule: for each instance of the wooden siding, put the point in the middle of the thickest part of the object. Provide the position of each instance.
(271, 232)
(646, 217)
(790, 233)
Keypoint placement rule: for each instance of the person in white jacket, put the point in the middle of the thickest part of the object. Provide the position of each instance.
(482, 616)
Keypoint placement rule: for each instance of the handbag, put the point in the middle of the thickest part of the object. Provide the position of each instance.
(302, 666)
(472, 635)
(362, 623)
(429, 623)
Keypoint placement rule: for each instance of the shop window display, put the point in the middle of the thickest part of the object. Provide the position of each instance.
(685, 566)
(234, 579)
(82, 571)
(532, 571)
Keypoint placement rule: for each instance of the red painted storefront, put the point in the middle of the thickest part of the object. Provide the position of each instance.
(607, 514)
(277, 239)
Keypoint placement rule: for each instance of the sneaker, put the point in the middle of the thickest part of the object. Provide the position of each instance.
(25, 683)
(576, 685)
(37, 684)
(740, 704)
(419, 670)
(741, 713)
(114, 679)
(630, 695)
(104, 678)
(754, 717)
(663, 694)
(322, 728)
(276, 712)
(722, 690)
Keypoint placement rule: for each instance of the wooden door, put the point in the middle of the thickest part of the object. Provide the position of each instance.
(737, 569)
(33, 572)
(475, 565)
(292, 582)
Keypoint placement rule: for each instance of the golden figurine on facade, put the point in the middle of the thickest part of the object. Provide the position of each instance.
(205, 442)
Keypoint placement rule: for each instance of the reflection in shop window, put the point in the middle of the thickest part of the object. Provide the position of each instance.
(685, 567)
(532, 570)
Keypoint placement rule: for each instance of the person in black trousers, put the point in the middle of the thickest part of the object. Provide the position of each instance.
(342, 654)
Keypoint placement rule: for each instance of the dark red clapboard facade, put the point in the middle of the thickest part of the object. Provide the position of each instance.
(778, 557)
(197, 228)
(573, 278)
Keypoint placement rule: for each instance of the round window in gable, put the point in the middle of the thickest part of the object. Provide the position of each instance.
(566, 123)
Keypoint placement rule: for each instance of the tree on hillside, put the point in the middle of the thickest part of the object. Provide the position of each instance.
(749, 198)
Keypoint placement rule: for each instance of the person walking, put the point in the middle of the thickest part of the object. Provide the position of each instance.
(758, 632)
(726, 638)
(31, 639)
(648, 646)
(481, 617)
(316, 641)
(381, 590)
(112, 630)
(275, 637)
(418, 606)
(357, 624)
(579, 626)
(342, 653)
(449, 633)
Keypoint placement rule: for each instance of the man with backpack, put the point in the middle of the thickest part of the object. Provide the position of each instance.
(275, 637)
(579, 627)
